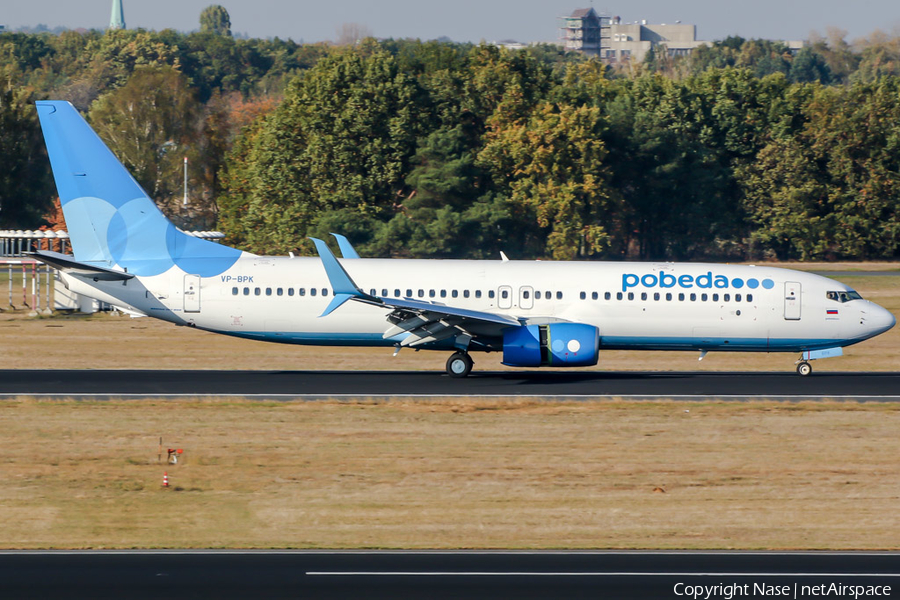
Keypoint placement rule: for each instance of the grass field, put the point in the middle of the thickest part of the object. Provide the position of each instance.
(436, 474)
(450, 474)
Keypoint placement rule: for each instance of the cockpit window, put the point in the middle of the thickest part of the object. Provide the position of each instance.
(843, 296)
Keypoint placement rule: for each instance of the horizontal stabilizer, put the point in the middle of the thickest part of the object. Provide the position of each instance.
(68, 264)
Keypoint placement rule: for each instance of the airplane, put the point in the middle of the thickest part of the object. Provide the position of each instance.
(536, 313)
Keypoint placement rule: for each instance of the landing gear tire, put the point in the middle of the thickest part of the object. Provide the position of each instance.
(459, 364)
(804, 368)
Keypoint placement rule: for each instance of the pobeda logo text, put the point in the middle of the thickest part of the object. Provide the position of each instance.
(705, 281)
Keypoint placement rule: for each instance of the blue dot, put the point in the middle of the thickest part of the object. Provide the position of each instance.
(737, 282)
(768, 284)
(752, 284)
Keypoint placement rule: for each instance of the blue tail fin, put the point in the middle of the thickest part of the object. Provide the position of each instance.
(110, 219)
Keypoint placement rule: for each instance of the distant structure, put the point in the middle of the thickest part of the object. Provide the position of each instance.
(632, 41)
(117, 16)
(585, 31)
(2, 28)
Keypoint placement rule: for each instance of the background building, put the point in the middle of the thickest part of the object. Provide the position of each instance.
(632, 41)
(117, 15)
(585, 31)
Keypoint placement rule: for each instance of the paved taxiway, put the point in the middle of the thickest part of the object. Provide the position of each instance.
(370, 384)
(403, 574)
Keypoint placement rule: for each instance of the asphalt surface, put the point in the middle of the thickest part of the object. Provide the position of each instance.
(236, 574)
(571, 384)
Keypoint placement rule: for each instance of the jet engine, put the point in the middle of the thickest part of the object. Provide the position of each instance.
(552, 345)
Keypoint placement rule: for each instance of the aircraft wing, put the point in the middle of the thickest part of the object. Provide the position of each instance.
(68, 264)
(424, 321)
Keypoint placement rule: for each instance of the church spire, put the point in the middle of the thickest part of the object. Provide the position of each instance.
(117, 16)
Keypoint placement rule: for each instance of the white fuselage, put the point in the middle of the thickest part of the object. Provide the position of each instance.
(657, 306)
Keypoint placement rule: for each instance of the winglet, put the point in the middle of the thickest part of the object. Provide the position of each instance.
(344, 287)
(346, 247)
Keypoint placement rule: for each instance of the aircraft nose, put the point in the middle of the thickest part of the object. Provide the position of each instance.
(881, 319)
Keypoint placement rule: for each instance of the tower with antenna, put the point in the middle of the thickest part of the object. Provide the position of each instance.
(117, 16)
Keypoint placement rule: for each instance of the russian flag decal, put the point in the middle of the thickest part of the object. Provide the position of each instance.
(831, 311)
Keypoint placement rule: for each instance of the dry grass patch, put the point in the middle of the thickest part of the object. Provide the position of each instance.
(450, 474)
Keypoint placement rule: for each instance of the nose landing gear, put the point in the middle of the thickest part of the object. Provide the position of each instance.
(459, 364)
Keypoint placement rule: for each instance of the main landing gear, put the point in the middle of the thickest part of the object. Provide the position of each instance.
(804, 368)
(459, 364)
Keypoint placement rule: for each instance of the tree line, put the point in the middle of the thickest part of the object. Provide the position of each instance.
(433, 149)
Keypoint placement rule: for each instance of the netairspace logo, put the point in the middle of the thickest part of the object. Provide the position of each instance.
(705, 281)
(728, 591)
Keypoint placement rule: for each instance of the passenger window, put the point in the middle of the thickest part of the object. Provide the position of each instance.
(246, 291)
(290, 291)
(268, 291)
(749, 297)
(371, 291)
(559, 295)
(704, 297)
(421, 293)
(443, 293)
(537, 295)
(384, 292)
(656, 296)
(431, 293)
(583, 296)
(302, 291)
(504, 294)
(643, 295)
(454, 294)
(324, 291)
(279, 292)
(409, 293)
(715, 297)
(465, 293)
(681, 297)
(669, 297)
(548, 295)
(737, 297)
(396, 293)
(726, 297)
(478, 293)
(525, 294)
(693, 297)
(631, 295)
(257, 291)
(607, 296)
(234, 291)
(618, 295)
(594, 295)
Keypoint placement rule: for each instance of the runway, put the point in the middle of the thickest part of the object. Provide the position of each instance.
(374, 574)
(377, 384)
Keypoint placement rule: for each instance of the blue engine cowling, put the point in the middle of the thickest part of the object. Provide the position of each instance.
(556, 344)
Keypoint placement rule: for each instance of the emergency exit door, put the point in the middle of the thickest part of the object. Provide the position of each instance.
(792, 301)
(191, 293)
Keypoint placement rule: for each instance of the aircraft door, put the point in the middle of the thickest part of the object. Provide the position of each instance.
(792, 293)
(191, 293)
(504, 297)
(526, 297)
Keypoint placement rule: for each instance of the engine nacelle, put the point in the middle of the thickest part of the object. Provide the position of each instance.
(555, 345)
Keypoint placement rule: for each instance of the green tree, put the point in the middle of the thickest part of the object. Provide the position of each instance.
(215, 19)
(342, 139)
(151, 124)
(26, 188)
(554, 166)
